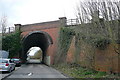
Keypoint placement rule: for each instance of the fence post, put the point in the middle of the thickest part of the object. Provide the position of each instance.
(9, 30)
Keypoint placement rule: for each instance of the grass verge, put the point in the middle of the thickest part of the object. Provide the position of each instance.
(76, 71)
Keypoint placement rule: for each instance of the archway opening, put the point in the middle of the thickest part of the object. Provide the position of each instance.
(34, 55)
(36, 39)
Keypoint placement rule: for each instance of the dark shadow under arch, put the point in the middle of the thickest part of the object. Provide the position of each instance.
(36, 39)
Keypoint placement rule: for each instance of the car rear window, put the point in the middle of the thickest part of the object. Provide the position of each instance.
(15, 59)
(3, 61)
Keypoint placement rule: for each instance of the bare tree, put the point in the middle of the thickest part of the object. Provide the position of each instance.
(3, 24)
(99, 18)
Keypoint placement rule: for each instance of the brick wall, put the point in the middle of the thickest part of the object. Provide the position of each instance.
(105, 60)
(52, 28)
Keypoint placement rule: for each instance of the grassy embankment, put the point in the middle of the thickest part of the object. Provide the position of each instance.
(76, 71)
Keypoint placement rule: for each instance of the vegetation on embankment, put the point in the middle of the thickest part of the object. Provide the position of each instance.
(76, 71)
(12, 43)
(95, 40)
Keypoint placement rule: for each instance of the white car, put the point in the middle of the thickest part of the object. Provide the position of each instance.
(7, 65)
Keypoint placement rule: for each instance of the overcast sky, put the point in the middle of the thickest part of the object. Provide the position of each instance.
(35, 11)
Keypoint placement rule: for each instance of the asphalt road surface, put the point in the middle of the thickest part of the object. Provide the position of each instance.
(5, 74)
(36, 71)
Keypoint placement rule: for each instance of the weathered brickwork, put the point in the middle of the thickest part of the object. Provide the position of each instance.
(104, 60)
(51, 28)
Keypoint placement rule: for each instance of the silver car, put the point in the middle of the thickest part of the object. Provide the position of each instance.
(7, 65)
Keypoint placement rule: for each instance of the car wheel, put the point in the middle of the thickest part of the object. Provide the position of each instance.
(19, 65)
(14, 69)
(10, 70)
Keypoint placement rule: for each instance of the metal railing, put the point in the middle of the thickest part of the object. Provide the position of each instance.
(9, 29)
(72, 22)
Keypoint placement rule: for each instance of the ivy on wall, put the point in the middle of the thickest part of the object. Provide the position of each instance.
(64, 41)
(97, 41)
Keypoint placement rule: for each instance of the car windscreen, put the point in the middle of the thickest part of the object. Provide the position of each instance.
(3, 61)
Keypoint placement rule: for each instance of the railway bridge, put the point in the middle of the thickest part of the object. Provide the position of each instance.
(43, 35)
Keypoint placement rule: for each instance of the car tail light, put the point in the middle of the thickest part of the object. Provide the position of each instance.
(7, 64)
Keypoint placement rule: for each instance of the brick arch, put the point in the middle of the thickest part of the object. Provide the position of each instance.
(41, 32)
(36, 39)
(52, 30)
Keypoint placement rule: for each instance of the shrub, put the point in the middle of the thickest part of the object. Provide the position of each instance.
(11, 43)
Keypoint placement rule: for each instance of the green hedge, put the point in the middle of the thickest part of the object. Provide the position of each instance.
(11, 43)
